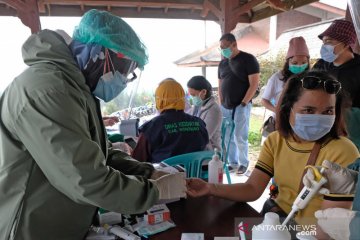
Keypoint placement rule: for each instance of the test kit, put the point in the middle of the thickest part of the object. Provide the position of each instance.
(157, 214)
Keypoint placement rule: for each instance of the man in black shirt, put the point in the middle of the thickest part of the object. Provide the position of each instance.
(239, 76)
(338, 59)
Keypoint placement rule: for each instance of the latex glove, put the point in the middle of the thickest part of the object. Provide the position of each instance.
(340, 180)
(335, 222)
(156, 174)
(171, 186)
(355, 165)
(122, 146)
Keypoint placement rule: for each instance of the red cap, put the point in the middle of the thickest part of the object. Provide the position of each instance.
(297, 46)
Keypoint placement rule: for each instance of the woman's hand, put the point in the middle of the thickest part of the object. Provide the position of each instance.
(197, 187)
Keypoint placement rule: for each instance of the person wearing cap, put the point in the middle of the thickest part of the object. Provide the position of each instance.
(206, 108)
(338, 58)
(239, 75)
(56, 167)
(172, 132)
(297, 60)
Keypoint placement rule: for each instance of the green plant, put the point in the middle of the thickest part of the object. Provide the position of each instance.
(254, 139)
(269, 64)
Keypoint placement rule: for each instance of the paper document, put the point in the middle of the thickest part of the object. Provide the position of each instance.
(192, 236)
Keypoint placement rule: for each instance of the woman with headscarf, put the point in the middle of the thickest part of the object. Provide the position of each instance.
(206, 108)
(173, 132)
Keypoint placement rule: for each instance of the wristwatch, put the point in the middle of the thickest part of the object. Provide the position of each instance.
(243, 104)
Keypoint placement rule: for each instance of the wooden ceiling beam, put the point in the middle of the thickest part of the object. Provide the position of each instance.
(269, 11)
(126, 4)
(204, 12)
(209, 6)
(28, 12)
(61, 10)
(41, 6)
(278, 4)
(246, 7)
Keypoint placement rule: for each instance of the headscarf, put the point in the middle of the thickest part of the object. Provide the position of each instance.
(169, 95)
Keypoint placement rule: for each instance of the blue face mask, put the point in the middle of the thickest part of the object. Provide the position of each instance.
(312, 127)
(327, 53)
(297, 68)
(110, 85)
(196, 101)
(226, 52)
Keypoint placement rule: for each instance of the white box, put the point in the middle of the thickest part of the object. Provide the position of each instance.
(192, 236)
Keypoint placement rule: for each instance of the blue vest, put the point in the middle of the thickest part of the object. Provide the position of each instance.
(173, 133)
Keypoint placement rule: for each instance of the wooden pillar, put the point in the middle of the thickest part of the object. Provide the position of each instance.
(28, 13)
(203, 71)
(228, 19)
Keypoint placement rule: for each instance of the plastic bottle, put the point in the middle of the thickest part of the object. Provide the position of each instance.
(270, 228)
(215, 169)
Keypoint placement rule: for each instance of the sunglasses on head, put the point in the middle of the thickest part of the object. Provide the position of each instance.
(330, 86)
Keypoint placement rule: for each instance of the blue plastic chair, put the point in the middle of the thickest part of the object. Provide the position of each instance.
(227, 129)
(192, 162)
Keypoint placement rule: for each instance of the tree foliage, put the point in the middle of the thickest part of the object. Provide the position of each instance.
(122, 101)
(270, 64)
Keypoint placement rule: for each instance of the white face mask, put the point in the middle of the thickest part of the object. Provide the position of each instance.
(312, 127)
(327, 52)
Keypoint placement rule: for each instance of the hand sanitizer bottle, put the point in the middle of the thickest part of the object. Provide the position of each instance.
(215, 168)
(270, 228)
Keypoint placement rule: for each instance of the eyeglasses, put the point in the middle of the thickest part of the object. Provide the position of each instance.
(330, 86)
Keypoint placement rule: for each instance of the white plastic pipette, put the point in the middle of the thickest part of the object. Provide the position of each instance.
(306, 193)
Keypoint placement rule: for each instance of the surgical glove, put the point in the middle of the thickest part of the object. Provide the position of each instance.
(122, 146)
(335, 222)
(171, 186)
(157, 174)
(355, 165)
(340, 180)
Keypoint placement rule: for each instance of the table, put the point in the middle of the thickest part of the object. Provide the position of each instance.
(209, 215)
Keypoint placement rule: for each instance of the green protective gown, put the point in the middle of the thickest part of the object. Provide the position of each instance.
(54, 157)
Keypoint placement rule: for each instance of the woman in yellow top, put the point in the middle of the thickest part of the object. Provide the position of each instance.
(310, 110)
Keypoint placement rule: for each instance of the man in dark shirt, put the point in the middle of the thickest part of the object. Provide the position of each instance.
(173, 132)
(338, 58)
(239, 76)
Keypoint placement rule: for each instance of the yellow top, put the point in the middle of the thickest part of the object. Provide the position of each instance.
(285, 160)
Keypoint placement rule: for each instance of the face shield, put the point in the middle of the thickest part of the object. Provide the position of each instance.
(124, 65)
